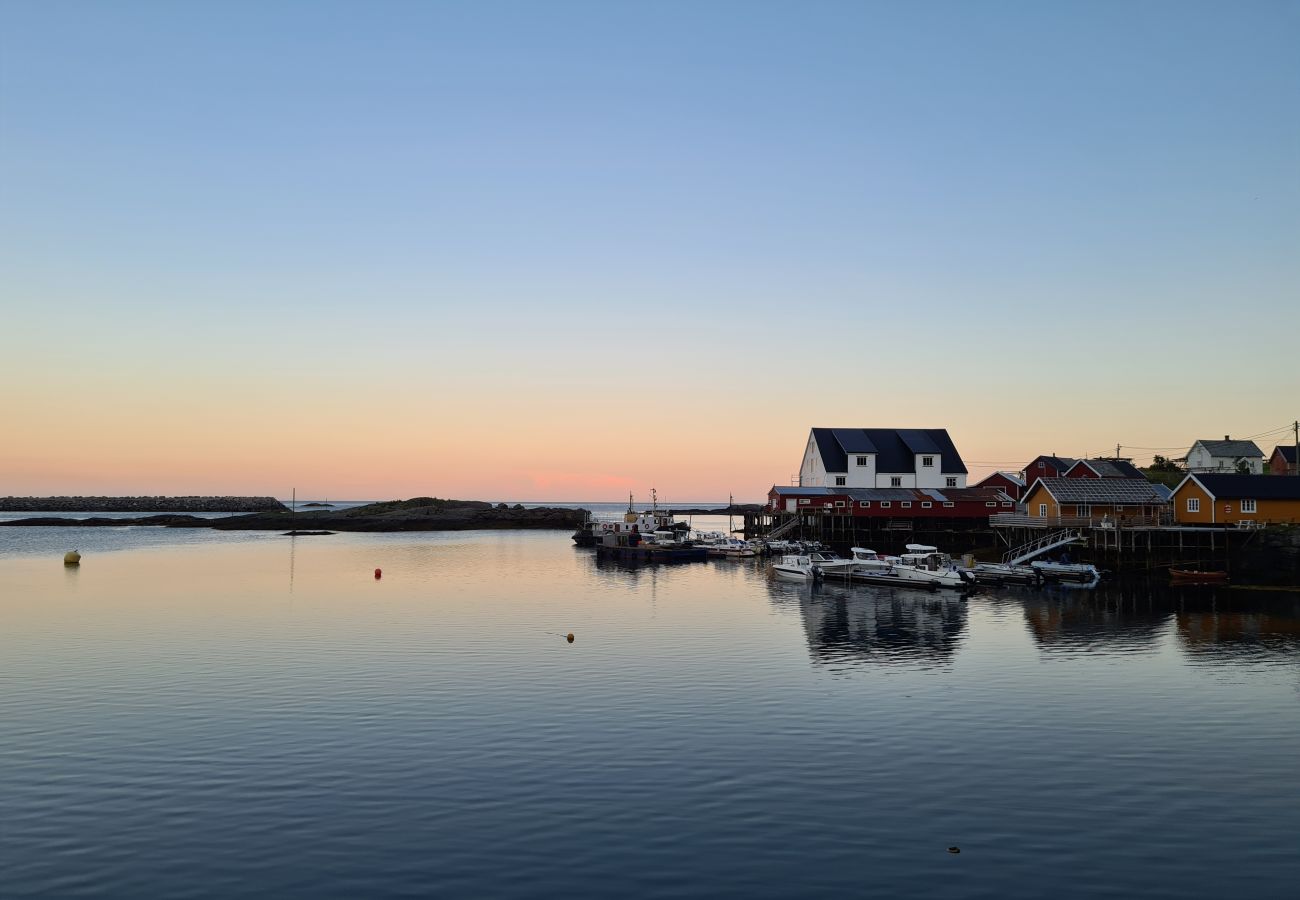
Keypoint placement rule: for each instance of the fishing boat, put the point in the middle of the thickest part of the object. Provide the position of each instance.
(795, 568)
(1196, 576)
(592, 532)
(926, 564)
(660, 547)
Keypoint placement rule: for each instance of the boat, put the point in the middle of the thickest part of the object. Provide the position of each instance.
(870, 561)
(1075, 572)
(657, 547)
(795, 567)
(1197, 576)
(592, 532)
(830, 564)
(731, 548)
(926, 564)
(1000, 573)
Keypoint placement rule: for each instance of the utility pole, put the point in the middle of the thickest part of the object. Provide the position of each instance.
(1296, 426)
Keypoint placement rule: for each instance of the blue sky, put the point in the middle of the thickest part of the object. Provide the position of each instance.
(848, 213)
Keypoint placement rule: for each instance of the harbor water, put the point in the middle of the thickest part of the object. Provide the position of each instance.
(217, 714)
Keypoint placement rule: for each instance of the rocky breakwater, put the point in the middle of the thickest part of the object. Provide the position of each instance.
(140, 504)
(417, 514)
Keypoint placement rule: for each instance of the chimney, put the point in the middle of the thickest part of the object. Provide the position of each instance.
(1226, 438)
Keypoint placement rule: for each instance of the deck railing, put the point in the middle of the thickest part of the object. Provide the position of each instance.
(1102, 521)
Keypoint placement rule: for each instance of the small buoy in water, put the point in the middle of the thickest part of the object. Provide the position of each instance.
(569, 637)
(379, 573)
(72, 558)
(954, 849)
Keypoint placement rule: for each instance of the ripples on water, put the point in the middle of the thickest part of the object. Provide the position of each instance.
(255, 714)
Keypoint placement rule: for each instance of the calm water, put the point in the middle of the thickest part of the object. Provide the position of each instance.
(214, 714)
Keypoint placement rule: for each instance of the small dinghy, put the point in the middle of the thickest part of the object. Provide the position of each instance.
(1196, 576)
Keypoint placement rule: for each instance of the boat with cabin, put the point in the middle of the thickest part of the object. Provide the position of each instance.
(926, 564)
(592, 532)
(795, 567)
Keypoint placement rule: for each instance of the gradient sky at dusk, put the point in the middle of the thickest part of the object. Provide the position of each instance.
(564, 250)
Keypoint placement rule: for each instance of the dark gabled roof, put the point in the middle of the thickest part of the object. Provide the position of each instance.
(1250, 487)
(895, 448)
(1111, 468)
(1234, 449)
(1101, 490)
(794, 491)
(1007, 476)
(1287, 451)
(1060, 462)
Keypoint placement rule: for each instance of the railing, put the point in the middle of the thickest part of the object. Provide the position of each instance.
(1039, 546)
(784, 528)
(1102, 521)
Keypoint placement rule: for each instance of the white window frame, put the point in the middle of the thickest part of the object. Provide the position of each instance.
(926, 504)
(1253, 507)
(865, 504)
(951, 481)
(1193, 504)
(949, 505)
(1042, 465)
(896, 481)
(906, 504)
(841, 480)
(992, 503)
(1007, 504)
(1042, 510)
(927, 462)
(803, 501)
(885, 504)
(862, 460)
(839, 502)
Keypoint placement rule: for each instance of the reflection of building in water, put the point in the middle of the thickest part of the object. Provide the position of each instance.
(1103, 621)
(884, 626)
(1239, 626)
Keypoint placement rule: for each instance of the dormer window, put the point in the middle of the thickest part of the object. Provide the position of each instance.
(927, 462)
(896, 481)
(862, 460)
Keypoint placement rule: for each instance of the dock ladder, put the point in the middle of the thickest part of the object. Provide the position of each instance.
(1039, 546)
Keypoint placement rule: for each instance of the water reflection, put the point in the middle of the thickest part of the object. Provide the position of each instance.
(1239, 627)
(877, 626)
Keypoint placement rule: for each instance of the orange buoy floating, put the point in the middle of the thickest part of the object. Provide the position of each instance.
(379, 573)
(569, 637)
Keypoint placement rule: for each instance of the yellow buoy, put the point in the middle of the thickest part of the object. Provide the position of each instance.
(72, 558)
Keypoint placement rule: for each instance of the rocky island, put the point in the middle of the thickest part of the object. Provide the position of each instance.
(416, 514)
(140, 504)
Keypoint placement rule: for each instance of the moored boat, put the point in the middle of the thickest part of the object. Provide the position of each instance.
(926, 564)
(1000, 573)
(795, 567)
(1197, 576)
(1073, 572)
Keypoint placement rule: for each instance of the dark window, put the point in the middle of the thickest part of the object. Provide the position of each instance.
(839, 481)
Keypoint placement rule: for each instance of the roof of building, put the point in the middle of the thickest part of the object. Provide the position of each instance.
(1163, 490)
(1009, 476)
(1061, 463)
(1230, 486)
(1235, 449)
(1101, 490)
(1111, 467)
(1287, 451)
(895, 448)
(943, 495)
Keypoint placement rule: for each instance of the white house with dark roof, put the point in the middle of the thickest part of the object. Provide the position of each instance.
(1225, 456)
(881, 458)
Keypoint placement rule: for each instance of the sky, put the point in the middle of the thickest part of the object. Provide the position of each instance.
(569, 250)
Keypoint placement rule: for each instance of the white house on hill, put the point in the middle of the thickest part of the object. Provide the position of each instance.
(881, 458)
(1225, 456)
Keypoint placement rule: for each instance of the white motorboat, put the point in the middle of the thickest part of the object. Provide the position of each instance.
(829, 564)
(1000, 573)
(795, 568)
(1077, 572)
(870, 561)
(926, 564)
(731, 548)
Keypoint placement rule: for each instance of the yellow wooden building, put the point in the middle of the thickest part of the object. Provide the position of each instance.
(1214, 499)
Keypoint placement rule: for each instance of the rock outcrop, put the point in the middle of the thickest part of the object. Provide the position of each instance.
(140, 504)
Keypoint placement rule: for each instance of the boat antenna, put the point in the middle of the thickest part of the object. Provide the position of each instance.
(654, 500)
(629, 501)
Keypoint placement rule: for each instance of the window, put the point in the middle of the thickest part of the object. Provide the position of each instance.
(1007, 504)
(896, 481)
(1121, 506)
(884, 504)
(865, 504)
(926, 505)
(927, 462)
(1248, 506)
(839, 502)
(862, 460)
(803, 502)
(949, 505)
(906, 504)
(839, 481)
(1042, 465)
(992, 503)
(1042, 509)
(950, 481)
(1193, 504)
